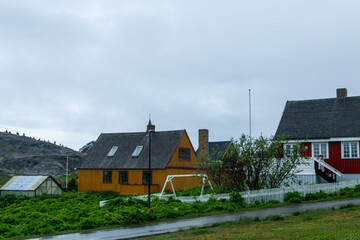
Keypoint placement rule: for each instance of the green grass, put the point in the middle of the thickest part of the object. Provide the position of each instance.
(4, 178)
(322, 224)
(76, 212)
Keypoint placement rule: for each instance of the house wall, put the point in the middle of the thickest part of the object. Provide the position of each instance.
(307, 152)
(92, 179)
(175, 162)
(346, 166)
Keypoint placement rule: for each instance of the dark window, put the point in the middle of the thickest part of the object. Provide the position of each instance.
(123, 177)
(107, 178)
(184, 154)
(147, 177)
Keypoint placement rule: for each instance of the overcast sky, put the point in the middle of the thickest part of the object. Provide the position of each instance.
(70, 70)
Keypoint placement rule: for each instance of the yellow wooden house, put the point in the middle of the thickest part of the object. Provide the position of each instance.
(120, 162)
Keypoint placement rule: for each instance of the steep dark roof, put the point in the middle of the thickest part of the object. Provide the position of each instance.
(220, 146)
(321, 119)
(163, 145)
(217, 147)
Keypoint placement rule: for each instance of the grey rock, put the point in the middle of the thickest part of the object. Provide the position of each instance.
(27, 156)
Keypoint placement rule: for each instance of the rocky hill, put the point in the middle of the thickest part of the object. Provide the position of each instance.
(21, 155)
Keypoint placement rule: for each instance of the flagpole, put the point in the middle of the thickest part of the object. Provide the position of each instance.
(250, 113)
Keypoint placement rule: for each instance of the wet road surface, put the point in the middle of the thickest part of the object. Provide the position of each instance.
(173, 226)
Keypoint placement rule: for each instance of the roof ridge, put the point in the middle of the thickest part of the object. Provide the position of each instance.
(322, 99)
(142, 132)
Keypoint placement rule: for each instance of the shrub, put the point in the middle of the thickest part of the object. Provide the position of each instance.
(297, 213)
(8, 200)
(315, 196)
(102, 194)
(357, 188)
(275, 217)
(171, 199)
(347, 192)
(72, 185)
(293, 197)
(236, 198)
(273, 202)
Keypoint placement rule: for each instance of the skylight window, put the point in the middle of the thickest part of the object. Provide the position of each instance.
(137, 151)
(112, 151)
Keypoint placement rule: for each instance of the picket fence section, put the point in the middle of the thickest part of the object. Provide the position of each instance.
(278, 194)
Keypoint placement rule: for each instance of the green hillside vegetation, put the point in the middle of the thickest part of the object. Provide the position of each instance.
(73, 212)
(4, 178)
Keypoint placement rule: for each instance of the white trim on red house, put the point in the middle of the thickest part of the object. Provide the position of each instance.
(350, 139)
(350, 148)
(313, 148)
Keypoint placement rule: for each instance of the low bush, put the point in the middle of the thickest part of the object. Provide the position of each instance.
(236, 198)
(296, 213)
(293, 197)
(357, 188)
(275, 217)
(347, 192)
(316, 196)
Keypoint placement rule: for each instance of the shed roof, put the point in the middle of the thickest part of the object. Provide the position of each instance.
(24, 183)
(163, 146)
(321, 119)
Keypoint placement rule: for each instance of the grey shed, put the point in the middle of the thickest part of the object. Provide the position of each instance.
(31, 186)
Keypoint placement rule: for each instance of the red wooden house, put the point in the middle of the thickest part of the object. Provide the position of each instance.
(329, 129)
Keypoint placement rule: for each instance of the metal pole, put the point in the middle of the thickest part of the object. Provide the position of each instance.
(149, 173)
(67, 171)
(250, 112)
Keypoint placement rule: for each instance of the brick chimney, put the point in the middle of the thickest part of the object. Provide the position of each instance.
(150, 127)
(341, 92)
(203, 141)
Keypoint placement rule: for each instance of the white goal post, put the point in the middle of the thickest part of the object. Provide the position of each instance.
(170, 178)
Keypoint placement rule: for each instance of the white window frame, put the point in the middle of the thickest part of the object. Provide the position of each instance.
(319, 143)
(350, 148)
(112, 151)
(137, 151)
(286, 154)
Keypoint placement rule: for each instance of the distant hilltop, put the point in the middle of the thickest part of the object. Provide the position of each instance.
(21, 155)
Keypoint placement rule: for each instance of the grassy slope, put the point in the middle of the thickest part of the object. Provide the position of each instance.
(4, 178)
(324, 224)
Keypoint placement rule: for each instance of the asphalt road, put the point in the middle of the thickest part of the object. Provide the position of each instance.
(167, 227)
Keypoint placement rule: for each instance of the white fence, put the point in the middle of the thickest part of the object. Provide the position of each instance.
(277, 194)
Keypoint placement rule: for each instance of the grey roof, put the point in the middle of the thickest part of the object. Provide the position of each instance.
(220, 146)
(163, 145)
(25, 183)
(321, 119)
